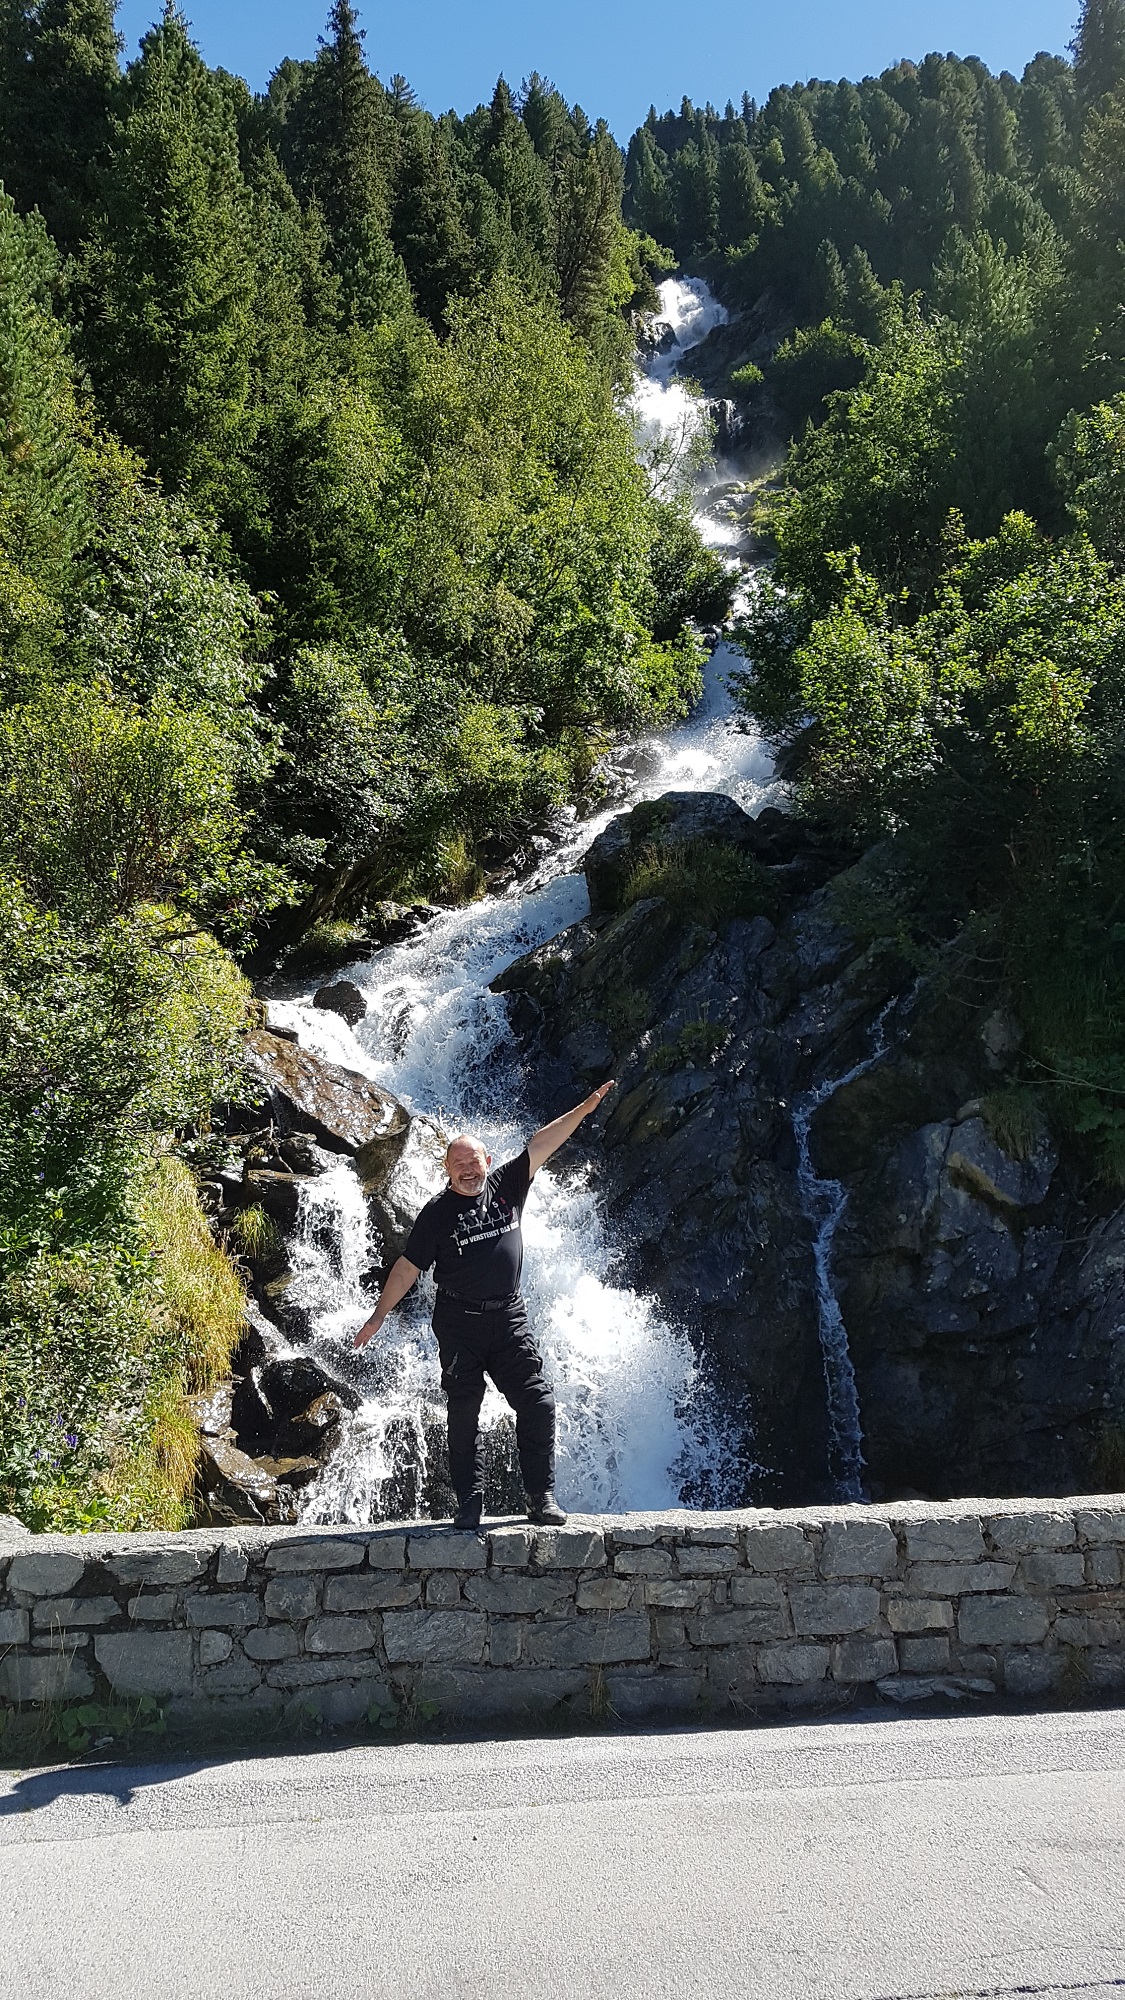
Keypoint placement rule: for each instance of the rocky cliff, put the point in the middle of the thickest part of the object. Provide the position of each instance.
(981, 1284)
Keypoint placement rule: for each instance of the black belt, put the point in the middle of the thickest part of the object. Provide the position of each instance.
(478, 1305)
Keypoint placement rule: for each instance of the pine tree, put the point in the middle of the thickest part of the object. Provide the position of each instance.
(996, 129)
(339, 144)
(59, 100)
(587, 228)
(545, 114)
(831, 284)
(696, 184)
(649, 189)
(169, 274)
(1099, 50)
(428, 223)
(742, 200)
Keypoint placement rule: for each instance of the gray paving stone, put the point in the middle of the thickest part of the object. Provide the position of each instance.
(446, 1548)
(232, 1610)
(685, 1593)
(59, 1612)
(821, 1609)
(382, 1591)
(434, 1636)
(341, 1635)
(643, 1562)
(1101, 1524)
(1017, 1534)
(387, 1552)
(1044, 1569)
(858, 1548)
(524, 1594)
(614, 1593)
(291, 1597)
(958, 1539)
(232, 1565)
(161, 1567)
(783, 1547)
(919, 1614)
(510, 1547)
(570, 1548)
(271, 1642)
(746, 1589)
(989, 1621)
(699, 1561)
(146, 1662)
(316, 1552)
(953, 1579)
(591, 1640)
(45, 1575)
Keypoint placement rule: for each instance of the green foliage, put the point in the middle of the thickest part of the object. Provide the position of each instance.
(695, 1047)
(702, 882)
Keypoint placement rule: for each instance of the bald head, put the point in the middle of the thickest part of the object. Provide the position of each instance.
(467, 1164)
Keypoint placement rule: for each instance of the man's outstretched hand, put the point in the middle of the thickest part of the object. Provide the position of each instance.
(399, 1280)
(550, 1137)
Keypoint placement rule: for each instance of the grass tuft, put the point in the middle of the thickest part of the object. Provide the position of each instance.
(703, 881)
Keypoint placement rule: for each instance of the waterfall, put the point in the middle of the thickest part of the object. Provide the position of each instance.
(824, 1202)
(634, 1426)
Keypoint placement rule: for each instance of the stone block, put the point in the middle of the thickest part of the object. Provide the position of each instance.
(44, 1677)
(45, 1575)
(1103, 1567)
(448, 1548)
(612, 1593)
(520, 1692)
(821, 1609)
(863, 1659)
(1029, 1672)
(291, 1597)
(954, 1579)
(671, 1691)
(381, 1592)
(722, 1534)
(214, 1648)
(301, 1673)
(924, 1655)
(233, 1610)
(1105, 1672)
(570, 1548)
(232, 1565)
(443, 1590)
(589, 1640)
(791, 1666)
(1043, 1569)
(958, 1539)
(341, 1635)
(387, 1552)
(510, 1547)
(674, 1594)
(157, 1663)
(858, 1548)
(162, 1567)
(1072, 1629)
(156, 1609)
(755, 1590)
(701, 1561)
(271, 1642)
(434, 1635)
(341, 1704)
(668, 1631)
(919, 1614)
(57, 1613)
(238, 1677)
(1000, 1621)
(505, 1642)
(14, 1628)
(509, 1595)
(1018, 1534)
(316, 1552)
(738, 1627)
(780, 1548)
(1101, 1524)
(643, 1562)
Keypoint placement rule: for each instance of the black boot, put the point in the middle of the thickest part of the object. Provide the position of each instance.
(469, 1511)
(544, 1510)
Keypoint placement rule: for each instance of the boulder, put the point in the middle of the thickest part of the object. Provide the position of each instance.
(341, 997)
(236, 1489)
(277, 1193)
(303, 1156)
(341, 1109)
(675, 820)
(291, 1387)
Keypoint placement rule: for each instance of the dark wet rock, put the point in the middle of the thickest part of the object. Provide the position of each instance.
(236, 1489)
(303, 1155)
(343, 1110)
(675, 820)
(314, 1432)
(277, 1193)
(290, 1387)
(342, 997)
(984, 1298)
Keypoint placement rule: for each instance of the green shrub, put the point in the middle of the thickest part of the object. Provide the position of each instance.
(693, 1048)
(702, 881)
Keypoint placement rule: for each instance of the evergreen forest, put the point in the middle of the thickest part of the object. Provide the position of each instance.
(328, 566)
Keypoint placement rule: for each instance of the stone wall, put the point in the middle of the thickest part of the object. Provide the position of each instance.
(633, 1615)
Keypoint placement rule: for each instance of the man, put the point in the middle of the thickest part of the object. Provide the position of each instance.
(471, 1234)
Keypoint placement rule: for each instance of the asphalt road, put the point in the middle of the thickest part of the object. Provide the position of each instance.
(866, 1860)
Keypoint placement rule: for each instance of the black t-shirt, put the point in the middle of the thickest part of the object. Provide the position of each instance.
(474, 1241)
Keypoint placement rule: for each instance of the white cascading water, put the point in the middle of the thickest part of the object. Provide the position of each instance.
(824, 1202)
(632, 1430)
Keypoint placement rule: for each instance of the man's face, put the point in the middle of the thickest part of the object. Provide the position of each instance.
(467, 1165)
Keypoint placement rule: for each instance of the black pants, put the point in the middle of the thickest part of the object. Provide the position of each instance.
(496, 1343)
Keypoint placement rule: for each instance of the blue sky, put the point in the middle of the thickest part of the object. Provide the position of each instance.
(616, 56)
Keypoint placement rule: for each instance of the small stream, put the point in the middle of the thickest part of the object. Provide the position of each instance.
(636, 1427)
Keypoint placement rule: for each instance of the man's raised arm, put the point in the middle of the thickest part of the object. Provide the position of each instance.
(550, 1137)
(400, 1277)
